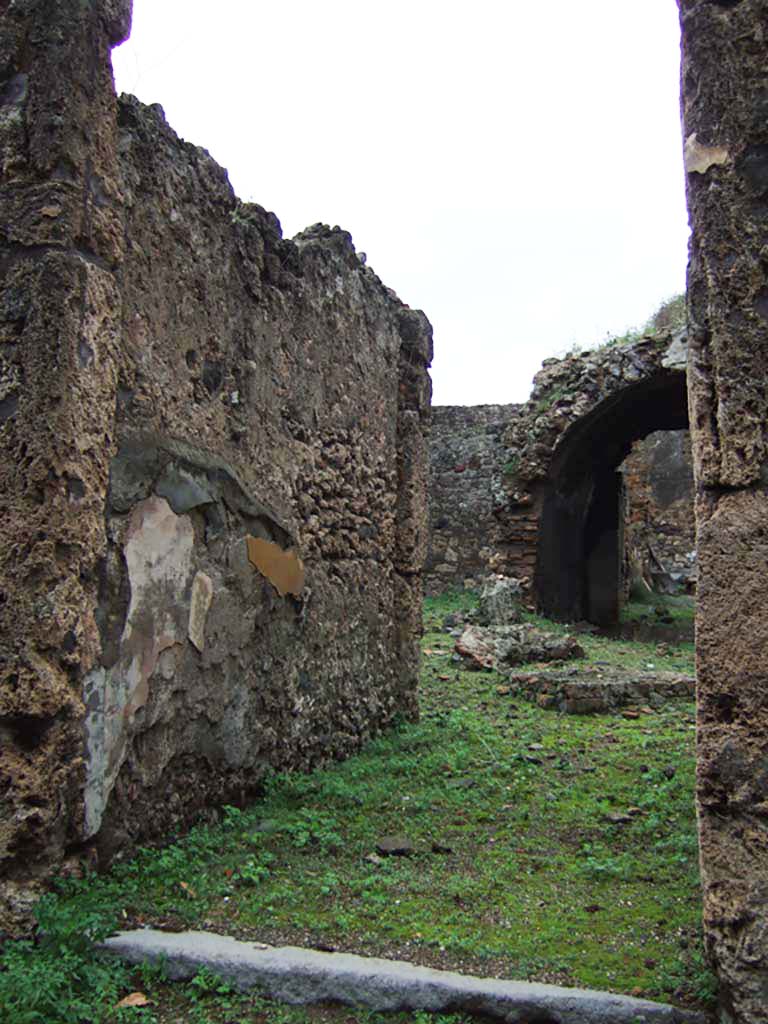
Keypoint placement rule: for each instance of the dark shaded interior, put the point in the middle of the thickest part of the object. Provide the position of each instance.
(578, 574)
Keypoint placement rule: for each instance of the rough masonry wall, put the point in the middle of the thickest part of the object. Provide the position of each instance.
(466, 458)
(659, 523)
(60, 312)
(212, 467)
(583, 415)
(469, 467)
(725, 117)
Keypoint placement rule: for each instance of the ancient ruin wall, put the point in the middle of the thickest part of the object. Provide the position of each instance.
(565, 446)
(659, 525)
(470, 466)
(725, 115)
(212, 470)
(466, 460)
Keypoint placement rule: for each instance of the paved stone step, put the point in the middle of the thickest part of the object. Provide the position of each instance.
(294, 975)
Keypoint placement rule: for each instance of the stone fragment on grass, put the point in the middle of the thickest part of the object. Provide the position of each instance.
(301, 976)
(499, 603)
(489, 647)
(526, 643)
(477, 648)
(395, 846)
(439, 846)
(618, 818)
(452, 620)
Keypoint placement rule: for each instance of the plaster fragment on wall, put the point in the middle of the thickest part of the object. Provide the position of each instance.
(202, 594)
(158, 553)
(283, 569)
(676, 356)
(94, 693)
(699, 158)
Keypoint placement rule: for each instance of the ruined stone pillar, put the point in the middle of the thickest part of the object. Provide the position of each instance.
(412, 520)
(61, 245)
(725, 114)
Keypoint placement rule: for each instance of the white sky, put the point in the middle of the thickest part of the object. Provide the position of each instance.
(513, 169)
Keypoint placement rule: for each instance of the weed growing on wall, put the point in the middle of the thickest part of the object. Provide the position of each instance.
(669, 317)
(511, 467)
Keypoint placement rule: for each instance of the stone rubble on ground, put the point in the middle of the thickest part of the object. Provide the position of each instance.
(500, 602)
(494, 647)
(394, 846)
(596, 691)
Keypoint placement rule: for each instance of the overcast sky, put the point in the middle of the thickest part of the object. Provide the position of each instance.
(513, 169)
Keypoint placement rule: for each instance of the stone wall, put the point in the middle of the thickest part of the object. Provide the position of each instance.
(466, 457)
(725, 121)
(558, 520)
(470, 464)
(498, 471)
(212, 470)
(659, 524)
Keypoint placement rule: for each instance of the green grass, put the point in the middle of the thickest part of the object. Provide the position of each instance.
(518, 870)
(669, 317)
(647, 607)
(669, 655)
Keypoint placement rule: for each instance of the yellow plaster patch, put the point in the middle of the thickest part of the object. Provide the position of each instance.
(283, 569)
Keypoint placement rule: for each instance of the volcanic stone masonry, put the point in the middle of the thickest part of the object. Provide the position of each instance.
(725, 124)
(558, 511)
(514, 488)
(212, 471)
(658, 513)
(468, 465)
(466, 457)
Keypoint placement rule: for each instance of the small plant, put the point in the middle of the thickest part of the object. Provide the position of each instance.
(233, 817)
(598, 863)
(511, 467)
(206, 983)
(546, 401)
(313, 827)
(329, 883)
(670, 316)
(61, 979)
(255, 870)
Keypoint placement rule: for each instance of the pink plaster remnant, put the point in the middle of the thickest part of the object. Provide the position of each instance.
(158, 553)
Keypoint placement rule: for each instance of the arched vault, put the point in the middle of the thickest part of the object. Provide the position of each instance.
(585, 413)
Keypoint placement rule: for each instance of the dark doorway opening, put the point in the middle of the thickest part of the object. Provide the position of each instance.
(580, 549)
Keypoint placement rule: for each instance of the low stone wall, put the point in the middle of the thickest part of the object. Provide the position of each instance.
(602, 691)
(212, 471)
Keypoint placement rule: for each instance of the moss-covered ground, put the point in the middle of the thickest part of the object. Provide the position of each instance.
(544, 846)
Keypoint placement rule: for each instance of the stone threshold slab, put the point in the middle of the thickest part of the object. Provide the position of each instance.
(293, 975)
